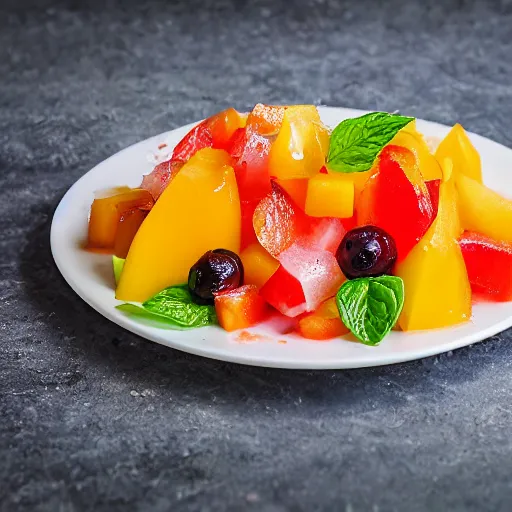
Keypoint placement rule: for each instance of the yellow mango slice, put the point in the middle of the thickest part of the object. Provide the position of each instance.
(457, 147)
(437, 289)
(301, 146)
(483, 210)
(197, 212)
(329, 195)
(412, 140)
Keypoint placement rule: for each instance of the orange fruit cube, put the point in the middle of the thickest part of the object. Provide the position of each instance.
(240, 308)
(324, 323)
(106, 210)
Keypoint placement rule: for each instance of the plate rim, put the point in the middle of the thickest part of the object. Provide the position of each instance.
(233, 357)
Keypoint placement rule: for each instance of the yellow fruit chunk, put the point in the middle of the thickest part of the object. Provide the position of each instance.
(411, 128)
(359, 179)
(457, 147)
(330, 195)
(259, 265)
(197, 212)
(301, 146)
(413, 141)
(437, 290)
(483, 210)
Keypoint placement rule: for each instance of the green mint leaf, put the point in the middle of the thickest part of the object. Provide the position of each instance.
(356, 143)
(176, 304)
(117, 264)
(370, 306)
(147, 317)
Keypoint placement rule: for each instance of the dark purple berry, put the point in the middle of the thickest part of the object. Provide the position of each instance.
(367, 251)
(214, 272)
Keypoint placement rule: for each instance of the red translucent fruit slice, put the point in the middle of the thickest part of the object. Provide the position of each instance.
(250, 161)
(284, 292)
(489, 266)
(248, 236)
(325, 233)
(278, 222)
(214, 132)
(199, 137)
(397, 200)
(157, 180)
(316, 270)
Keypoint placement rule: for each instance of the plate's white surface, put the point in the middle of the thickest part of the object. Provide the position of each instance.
(90, 275)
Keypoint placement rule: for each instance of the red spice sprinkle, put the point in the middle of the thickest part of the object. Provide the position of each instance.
(162, 146)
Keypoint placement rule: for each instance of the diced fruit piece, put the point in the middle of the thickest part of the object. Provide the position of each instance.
(259, 265)
(197, 138)
(223, 126)
(215, 272)
(324, 234)
(317, 271)
(106, 211)
(296, 189)
(457, 147)
(397, 200)
(300, 148)
(176, 233)
(489, 266)
(156, 181)
(129, 224)
(237, 143)
(413, 141)
(284, 292)
(437, 290)
(330, 195)
(433, 192)
(358, 179)
(483, 210)
(248, 235)
(350, 223)
(240, 308)
(251, 168)
(324, 323)
(214, 132)
(367, 251)
(278, 222)
(265, 119)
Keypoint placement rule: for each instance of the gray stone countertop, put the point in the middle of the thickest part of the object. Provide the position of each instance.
(95, 418)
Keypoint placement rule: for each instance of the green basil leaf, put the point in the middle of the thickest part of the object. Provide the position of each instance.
(370, 306)
(117, 264)
(356, 143)
(176, 303)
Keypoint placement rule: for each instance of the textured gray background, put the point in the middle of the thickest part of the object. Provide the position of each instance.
(78, 83)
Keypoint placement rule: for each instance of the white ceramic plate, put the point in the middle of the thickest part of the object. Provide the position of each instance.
(90, 275)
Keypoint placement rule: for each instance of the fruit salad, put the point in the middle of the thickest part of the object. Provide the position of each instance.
(349, 232)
